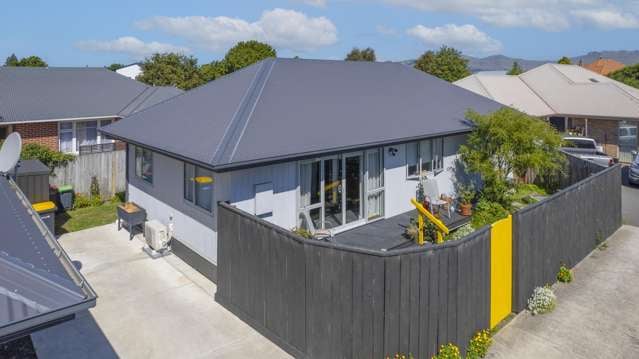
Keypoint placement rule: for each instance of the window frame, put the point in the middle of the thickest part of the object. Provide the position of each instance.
(194, 201)
(138, 165)
(436, 162)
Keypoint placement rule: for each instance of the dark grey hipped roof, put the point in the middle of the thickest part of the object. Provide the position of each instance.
(285, 108)
(38, 283)
(36, 94)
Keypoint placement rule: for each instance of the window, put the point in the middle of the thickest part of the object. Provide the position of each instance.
(86, 133)
(144, 164)
(198, 186)
(424, 157)
(103, 137)
(66, 136)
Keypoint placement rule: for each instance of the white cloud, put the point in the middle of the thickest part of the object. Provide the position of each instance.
(284, 29)
(548, 15)
(608, 18)
(316, 3)
(464, 37)
(132, 46)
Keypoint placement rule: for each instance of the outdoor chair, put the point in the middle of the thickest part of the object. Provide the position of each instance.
(307, 223)
(431, 192)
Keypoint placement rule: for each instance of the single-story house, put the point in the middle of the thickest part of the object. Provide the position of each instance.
(573, 99)
(604, 66)
(63, 108)
(39, 285)
(131, 71)
(341, 143)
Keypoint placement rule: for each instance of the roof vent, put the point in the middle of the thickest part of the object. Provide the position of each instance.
(594, 80)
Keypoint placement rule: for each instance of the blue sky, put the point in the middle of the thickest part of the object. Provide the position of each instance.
(72, 33)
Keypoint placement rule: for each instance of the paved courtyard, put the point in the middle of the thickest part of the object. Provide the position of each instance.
(146, 308)
(596, 314)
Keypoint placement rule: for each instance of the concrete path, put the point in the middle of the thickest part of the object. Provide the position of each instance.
(597, 315)
(146, 308)
(629, 200)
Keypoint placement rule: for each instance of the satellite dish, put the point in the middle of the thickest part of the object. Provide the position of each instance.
(10, 152)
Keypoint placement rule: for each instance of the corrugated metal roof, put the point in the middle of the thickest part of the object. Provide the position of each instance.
(38, 283)
(559, 89)
(283, 108)
(36, 94)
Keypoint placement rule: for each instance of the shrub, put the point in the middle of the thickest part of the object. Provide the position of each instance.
(460, 232)
(448, 351)
(466, 193)
(542, 301)
(487, 212)
(401, 356)
(119, 197)
(564, 275)
(95, 187)
(412, 230)
(82, 201)
(50, 158)
(479, 344)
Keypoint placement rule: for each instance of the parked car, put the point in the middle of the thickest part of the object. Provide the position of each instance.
(587, 149)
(628, 136)
(633, 171)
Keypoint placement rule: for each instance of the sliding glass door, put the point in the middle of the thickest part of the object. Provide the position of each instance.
(374, 184)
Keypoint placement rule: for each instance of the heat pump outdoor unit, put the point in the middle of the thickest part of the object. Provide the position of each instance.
(156, 235)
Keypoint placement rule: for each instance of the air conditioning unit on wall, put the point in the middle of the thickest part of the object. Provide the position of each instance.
(156, 235)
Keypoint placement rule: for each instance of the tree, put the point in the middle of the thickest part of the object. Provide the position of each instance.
(115, 66)
(213, 70)
(171, 69)
(11, 60)
(516, 69)
(447, 64)
(367, 54)
(628, 75)
(246, 53)
(508, 141)
(29, 61)
(32, 61)
(564, 61)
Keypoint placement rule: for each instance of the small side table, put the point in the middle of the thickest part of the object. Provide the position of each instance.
(130, 215)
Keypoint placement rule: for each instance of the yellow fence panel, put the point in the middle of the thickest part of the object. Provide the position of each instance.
(501, 270)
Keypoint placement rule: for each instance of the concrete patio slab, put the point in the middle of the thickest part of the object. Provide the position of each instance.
(147, 308)
(596, 315)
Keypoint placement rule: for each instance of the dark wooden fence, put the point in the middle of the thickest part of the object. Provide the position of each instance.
(564, 228)
(323, 300)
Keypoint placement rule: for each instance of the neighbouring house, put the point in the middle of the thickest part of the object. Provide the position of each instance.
(39, 285)
(63, 108)
(131, 71)
(573, 99)
(341, 143)
(604, 66)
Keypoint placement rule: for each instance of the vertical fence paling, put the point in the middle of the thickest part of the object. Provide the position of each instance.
(564, 228)
(107, 167)
(320, 300)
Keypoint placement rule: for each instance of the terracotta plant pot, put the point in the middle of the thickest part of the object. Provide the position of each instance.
(466, 209)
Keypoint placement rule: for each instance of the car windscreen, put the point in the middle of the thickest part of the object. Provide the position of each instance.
(575, 142)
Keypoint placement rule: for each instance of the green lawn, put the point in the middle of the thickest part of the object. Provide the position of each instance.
(83, 218)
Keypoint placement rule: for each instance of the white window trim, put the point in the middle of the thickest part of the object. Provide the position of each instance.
(420, 162)
(74, 140)
(192, 203)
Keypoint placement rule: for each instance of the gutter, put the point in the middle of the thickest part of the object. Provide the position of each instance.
(58, 120)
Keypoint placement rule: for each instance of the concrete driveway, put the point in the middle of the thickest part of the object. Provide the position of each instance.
(146, 308)
(597, 315)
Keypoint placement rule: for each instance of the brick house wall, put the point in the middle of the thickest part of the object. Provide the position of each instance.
(44, 133)
(606, 133)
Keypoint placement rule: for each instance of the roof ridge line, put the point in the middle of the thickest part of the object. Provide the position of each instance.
(492, 97)
(240, 117)
(134, 99)
(151, 91)
(536, 93)
(257, 99)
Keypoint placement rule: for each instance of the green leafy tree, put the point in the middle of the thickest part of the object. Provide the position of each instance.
(32, 61)
(11, 60)
(508, 141)
(213, 70)
(516, 69)
(628, 75)
(246, 53)
(564, 61)
(171, 69)
(447, 63)
(115, 66)
(367, 54)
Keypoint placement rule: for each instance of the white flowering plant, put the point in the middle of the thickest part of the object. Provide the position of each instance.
(542, 301)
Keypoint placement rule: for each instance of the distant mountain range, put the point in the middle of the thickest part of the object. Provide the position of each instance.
(504, 63)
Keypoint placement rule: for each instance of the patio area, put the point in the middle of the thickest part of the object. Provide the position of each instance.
(388, 234)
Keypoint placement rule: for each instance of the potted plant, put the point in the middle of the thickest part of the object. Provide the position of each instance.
(466, 196)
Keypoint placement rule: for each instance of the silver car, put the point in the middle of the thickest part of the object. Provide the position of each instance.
(633, 172)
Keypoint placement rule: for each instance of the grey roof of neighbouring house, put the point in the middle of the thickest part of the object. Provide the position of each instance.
(286, 108)
(38, 283)
(50, 93)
